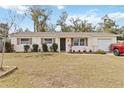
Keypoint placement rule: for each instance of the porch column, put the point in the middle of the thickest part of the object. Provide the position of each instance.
(58, 42)
(68, 44)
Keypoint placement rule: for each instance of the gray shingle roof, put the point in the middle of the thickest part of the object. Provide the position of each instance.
(60, 34)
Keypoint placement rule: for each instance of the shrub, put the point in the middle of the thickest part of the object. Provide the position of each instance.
(90, 51)
(45, 47)
(100, 52)
(73, 51)
(84, 51)
(79, 51)
(8, 47)
(35, 47)
(26, 48)
(55, 47)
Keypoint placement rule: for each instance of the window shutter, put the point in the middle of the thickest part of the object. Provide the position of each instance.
(86, 41)
(53, 40)
(71, 41)
(18, 41)
(41, 40)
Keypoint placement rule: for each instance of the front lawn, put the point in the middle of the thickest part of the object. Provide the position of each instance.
(64, 70)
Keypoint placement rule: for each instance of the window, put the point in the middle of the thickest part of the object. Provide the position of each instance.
(76, 41)
(25, 41)
(48, 40)
(80, 41)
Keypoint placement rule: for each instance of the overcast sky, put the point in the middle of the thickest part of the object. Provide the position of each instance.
(91, 13)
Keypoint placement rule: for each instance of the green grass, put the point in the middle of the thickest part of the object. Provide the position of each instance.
(64, 70)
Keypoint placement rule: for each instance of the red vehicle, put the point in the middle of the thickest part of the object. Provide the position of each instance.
(117, 49)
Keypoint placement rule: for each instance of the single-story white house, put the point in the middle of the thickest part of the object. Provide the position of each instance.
(75, 41)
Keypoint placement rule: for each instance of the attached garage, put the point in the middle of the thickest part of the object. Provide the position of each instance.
(104, 43)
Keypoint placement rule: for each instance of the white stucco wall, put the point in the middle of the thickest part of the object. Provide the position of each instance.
(68, 44)
(35, 40)
(92, 43)
(58, 42)
(78, 48)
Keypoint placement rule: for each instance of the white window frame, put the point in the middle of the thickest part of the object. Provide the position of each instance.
(83, 43)
(76, 41)
(79, 42)
(48, 42)
(24, 42)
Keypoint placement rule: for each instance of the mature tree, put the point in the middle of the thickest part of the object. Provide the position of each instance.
(19, 30)
(109, 25)
(39, 17)
(121, 30)
(5, 27)
(99, 27)
(51, 27)
(22, 30)
(35, 13)
(62, 22)
(76, 24)
(79, 25)
(27, 30)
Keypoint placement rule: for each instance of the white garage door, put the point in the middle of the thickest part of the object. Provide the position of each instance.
(104, 44)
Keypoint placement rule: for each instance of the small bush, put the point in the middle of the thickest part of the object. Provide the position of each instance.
(90, 51)
(45, 47)
(35, 47)
(73, 51)
(100, 52)
(55, 47)
(26, 48)
(84, 51)
(78, 51)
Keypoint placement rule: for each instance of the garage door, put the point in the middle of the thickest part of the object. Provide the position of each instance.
(104, 44)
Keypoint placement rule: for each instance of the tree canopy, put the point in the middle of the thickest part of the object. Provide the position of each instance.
(39, 17)
(41, 20)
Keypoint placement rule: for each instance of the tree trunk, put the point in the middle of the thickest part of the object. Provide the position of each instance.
(2, 59)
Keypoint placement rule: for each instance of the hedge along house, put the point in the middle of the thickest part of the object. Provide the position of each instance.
(67, 41)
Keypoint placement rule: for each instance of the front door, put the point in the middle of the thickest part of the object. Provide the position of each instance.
(62, 44)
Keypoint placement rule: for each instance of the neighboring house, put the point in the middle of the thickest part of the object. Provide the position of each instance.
(75, 41)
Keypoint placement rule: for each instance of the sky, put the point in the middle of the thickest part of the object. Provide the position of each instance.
(92, 13)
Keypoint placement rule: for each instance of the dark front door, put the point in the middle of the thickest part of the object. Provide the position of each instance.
(62, 44)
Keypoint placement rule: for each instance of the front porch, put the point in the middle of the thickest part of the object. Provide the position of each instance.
(74, 44)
